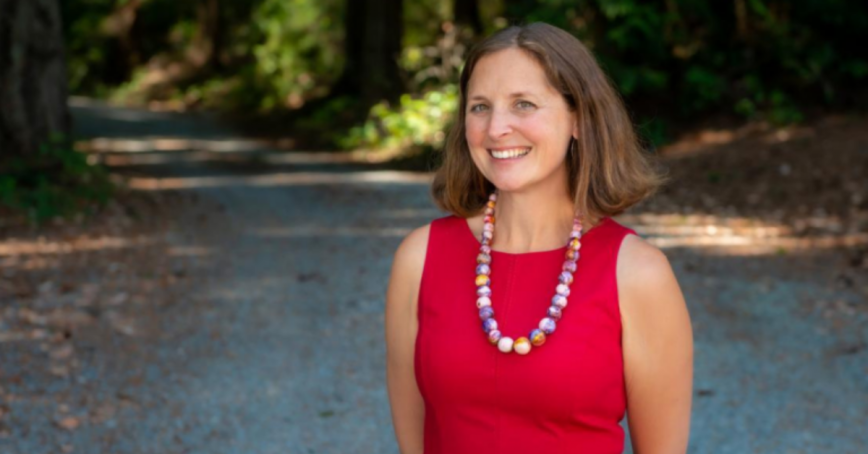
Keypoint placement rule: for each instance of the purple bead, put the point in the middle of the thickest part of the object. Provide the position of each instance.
(489, 325)
(576, 233)
(487, 234)
(547, 325)
(483, 258)
(561, 290)
(483, 269)
(483, 291)
(569, 265)
(494, 336)
(566, 278)
(485, 249)
(559, 301)
(486, 312)
(555, 312)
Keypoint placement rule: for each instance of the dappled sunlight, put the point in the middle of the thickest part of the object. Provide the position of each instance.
(165, 143)
(148, 157)
(13, 247)
(282, 179)
(736, 235)
(709, 139)
(330, 231)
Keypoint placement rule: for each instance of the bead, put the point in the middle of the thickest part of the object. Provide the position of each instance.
(483, 291)
(490, 204)
(488, 227)
(555, 312)
(483, 258)
(483, 269)
(487, 234)
(562, 290)
(489, 325)
(537, 337)
(521, 346)
(486, 312)
(575, 244)
(505, 344)
(547, 325)
(494, 336)
(576, 233)
(483, 301)
(482, 279)
(569, 265)
(559, 301)
(493, 196)
(566, 278)
(486, 249)
(572, 254)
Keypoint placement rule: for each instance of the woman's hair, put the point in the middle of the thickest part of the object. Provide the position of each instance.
(608, 172)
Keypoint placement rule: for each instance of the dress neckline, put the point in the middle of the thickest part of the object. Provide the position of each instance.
(470, 235)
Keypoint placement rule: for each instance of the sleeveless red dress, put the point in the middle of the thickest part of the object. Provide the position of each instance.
(566, 396)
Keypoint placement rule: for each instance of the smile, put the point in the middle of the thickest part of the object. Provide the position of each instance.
(511, 153)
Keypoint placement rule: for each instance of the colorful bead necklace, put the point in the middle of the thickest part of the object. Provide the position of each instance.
(547, 325)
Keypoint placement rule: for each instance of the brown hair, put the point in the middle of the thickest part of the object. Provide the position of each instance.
(608, 172)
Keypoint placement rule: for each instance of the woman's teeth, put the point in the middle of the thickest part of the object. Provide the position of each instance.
(510, 154)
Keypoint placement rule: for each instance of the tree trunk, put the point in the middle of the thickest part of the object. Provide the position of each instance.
(209, 37)
(372, 45)
(33, 92)
(466, 14)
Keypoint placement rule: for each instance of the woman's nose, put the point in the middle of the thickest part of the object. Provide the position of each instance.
(499, 124)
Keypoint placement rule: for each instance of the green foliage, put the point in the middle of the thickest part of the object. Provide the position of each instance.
(765, 60)
(296, 44)
(55, 181)
(415, 122)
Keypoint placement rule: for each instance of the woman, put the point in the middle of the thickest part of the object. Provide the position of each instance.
(483, 353)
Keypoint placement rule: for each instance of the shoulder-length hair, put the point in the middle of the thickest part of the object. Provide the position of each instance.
(608, 171)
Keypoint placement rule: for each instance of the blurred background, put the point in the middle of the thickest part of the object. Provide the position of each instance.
(199, 202)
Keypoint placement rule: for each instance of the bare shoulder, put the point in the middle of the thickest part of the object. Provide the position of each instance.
(640, 261)
(407, 266)
(410, 255)
(645, 278)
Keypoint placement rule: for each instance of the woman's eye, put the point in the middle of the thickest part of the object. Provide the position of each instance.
(478, 107)
(524, 105)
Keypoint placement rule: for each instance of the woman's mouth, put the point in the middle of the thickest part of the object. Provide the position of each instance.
(509, 153)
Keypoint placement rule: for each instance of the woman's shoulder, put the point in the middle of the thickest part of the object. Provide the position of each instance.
(412, 250)
(647, 285)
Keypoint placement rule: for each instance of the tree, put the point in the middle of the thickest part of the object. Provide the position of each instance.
(466, 14)
(372, 44)
(33, 81)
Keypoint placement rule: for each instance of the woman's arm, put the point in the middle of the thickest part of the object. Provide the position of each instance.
(408, 409)
(658, 350)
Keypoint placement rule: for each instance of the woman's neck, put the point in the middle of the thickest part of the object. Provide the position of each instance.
(529, 222)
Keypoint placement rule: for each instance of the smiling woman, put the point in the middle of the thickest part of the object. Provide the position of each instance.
(483, 355)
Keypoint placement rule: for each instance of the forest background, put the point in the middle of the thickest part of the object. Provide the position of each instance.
(381, 75)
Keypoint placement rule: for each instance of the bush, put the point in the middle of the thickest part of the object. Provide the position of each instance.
(57, 181)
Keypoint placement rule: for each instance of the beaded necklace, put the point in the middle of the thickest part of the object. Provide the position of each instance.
(547, 325)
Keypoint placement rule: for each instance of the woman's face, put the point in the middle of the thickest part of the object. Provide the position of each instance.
(518, 126)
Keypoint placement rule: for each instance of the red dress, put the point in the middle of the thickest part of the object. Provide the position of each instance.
(566, 396)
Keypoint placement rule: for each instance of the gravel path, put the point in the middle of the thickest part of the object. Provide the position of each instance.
(275, 342)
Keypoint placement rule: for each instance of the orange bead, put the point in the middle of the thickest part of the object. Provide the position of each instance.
(521, 346)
